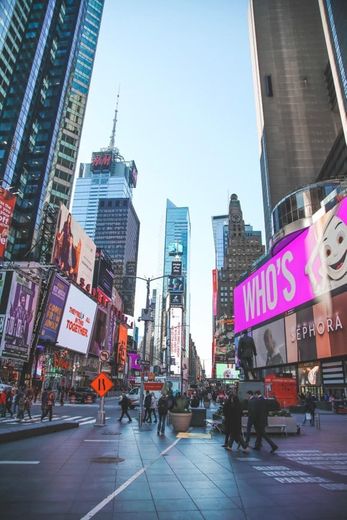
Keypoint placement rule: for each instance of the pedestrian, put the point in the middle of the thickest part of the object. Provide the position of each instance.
(3, 403)
(153, 407)
(124, 402)
(226, 414)
(20, 404)
(251, 414)
(28, 402)
(260, 422)
(310, 408)
(15, 400)
(234, 426)
(9, 397)
(44, 399)
(163, 406)
(49, 406)
(147, 404)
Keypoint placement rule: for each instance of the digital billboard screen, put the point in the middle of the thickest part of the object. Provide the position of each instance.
(73, 250)
(7, 204)
(227, 371)
(99, 333)
(103, 273)
(77, 321)
(54, 309)
(176, 284)
(314, 263)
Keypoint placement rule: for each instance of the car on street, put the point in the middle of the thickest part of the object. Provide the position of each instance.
(82, 394)
(4, 386)
(340, 406)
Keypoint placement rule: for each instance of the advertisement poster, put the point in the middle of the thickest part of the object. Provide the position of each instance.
(54, 310)
(176, 339)
(313, 264)
(99, 333)
(227, 371)
(133, 361)
(270, 344)
(7, 204)
(74, 251)
(20, 317)
(103, 273)
(176, 284)
(77, 321)
(122, 347)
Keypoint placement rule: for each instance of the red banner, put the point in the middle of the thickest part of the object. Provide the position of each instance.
(122, 345)
(7, 203)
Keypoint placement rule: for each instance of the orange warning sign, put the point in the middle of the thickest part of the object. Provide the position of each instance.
(101, 384)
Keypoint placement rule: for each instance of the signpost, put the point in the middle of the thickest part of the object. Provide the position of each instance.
(101, 384)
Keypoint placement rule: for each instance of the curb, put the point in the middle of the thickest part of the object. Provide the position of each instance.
(34, 431)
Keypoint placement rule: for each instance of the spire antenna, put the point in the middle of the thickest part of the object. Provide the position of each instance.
(113, 135)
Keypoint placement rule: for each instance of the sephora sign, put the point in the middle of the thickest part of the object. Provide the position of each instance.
(313, 264)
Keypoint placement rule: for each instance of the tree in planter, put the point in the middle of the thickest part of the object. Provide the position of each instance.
(180, 415)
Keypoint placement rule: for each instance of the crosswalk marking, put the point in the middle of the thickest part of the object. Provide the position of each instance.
(37, 418)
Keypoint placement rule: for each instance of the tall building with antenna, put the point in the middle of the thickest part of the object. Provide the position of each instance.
(103, 206)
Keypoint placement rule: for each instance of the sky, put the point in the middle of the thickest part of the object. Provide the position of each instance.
(186, 116)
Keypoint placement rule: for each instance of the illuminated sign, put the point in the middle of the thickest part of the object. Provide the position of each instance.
(176, 338)
(7, 204)
(101, 161)
(312, 264)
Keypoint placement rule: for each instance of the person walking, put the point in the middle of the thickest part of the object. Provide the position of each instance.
(153, 407)
(9, 397)
(3, 403)
(28, 402)
(226, 414)
(235, 427)
(147, 404)
(20, 404)
(49, 405)
(125, 402)
(163, 406)
(310, 408)
(260, 422)
(251, 414)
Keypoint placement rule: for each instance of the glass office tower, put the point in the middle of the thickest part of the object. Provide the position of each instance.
(46, 56)
(176, 296)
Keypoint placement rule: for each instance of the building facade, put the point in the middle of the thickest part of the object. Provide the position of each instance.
(43, 45)
(243, 248)
(297, 124)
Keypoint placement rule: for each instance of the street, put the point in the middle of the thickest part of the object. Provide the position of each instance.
(118, 471)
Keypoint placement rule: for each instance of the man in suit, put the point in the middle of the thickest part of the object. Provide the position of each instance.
(260, 422)
(245, 351)
(251, 414)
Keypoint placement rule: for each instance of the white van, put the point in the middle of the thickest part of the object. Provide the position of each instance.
(134, 396)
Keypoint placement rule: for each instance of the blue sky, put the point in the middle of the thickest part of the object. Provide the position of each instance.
(187, 118)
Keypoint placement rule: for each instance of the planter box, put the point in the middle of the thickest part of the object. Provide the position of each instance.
(276, 422)
(180, 421)
(198, 417)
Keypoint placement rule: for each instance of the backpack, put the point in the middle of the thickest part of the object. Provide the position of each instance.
(162, 406)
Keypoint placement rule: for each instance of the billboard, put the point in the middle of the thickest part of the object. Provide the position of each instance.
(227, 371)
(77, 321)
(270, 344)
(175, 248)
(214, 291)
(103, 273)
(176, 268)
(7, 204)
(99, 333)
(176, 331)
(54, 309)
(122, 346)
(176, 300)
(314, 263)
(101, 161)
(73, 250)
(20, 317)
(176, 284)
(133, 361)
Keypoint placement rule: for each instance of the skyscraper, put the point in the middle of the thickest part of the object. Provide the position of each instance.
(103, 206)
(297, 126)
(176, 297)
(46, 54)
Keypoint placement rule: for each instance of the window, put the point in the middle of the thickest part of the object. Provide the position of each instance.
(268, 85)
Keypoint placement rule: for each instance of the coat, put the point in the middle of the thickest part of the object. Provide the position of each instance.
(233, 413)
(260, 413)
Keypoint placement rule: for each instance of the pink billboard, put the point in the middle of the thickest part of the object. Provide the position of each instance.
(312, 264)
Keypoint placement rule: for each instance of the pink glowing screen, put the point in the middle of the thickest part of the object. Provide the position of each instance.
(314, 263)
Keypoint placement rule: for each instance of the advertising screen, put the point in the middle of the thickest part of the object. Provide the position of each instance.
(175, 339)
(54, 309)
(176, 284)
(175, 248)
(176, 268)
(312, 264)
(74, 251)
(103, 273)
(226, 371)
(270, 344)
(133, 361)
(99, 333)
(214, 292)
(176, 300)
(7, 204)
(77, 321)
(20, 317)
(122, 347)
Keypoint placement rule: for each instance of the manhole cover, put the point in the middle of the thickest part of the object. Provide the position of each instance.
(108, 460)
